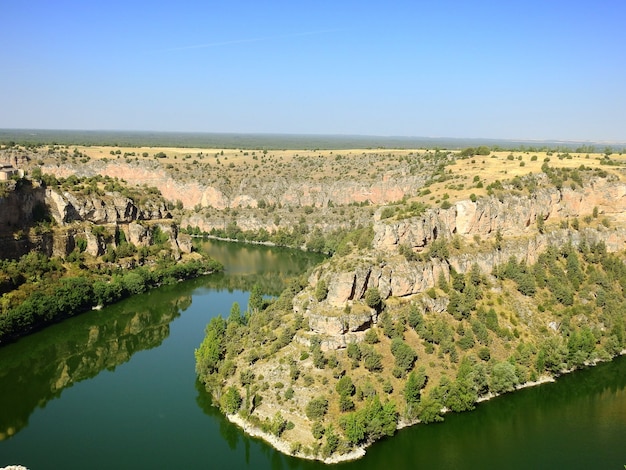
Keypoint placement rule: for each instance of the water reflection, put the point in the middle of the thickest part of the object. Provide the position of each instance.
(246, 265)
(550, 426)
(37, 368)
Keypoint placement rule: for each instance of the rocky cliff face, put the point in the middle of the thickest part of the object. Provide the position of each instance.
(19, 208)
(66, 208)
(512, 216)
(96, 219)
(224, 194)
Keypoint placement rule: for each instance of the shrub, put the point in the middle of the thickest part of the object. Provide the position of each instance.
(373, 298)
(231, 401)
(316, 408)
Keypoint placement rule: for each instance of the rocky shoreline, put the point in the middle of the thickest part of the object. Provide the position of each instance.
(285, 447)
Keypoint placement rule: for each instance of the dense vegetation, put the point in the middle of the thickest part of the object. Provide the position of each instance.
(338, 241)
(38, 290)
(499, 330)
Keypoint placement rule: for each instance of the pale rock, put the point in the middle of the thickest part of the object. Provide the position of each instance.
(340, 288)
(137, 234)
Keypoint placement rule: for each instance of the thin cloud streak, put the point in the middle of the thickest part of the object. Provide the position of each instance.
(246, 41)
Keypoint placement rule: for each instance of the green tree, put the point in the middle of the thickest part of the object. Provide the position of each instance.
(278, 424)
(345, 387)
(235, 314)
(354, 427)
(503, 377)
(316, 408)
(416, 381)
(231, 400)
(430, 410)
(404, 355)
(372, 360)
(373, 298)
(255, 302)
(321, 290)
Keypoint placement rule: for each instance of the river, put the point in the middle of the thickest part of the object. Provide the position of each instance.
(116, 388)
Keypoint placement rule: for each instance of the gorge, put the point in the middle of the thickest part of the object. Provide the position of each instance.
(449, 282)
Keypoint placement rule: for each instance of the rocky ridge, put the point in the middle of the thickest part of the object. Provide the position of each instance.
(223, 194)
(514, 216)
(94, 218)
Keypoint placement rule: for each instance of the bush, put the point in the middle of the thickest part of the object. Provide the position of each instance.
(503, 378)
(231, 401)
(373, 298)
(484, 354)
(405, 356)
(371, 337)
(316, 408)
(345, 387)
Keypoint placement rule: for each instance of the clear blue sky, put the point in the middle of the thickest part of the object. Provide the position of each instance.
(533, 69)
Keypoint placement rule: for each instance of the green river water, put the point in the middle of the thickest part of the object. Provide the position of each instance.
(116, 389)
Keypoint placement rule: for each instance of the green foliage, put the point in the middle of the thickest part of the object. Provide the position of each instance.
(332, 442)
(354, 352)
(371, 337)
(404, 355)
(316, 408)
(321, 290)
(235, 314)
(415, 318)
(430, 410)
(471, 151)
(503, 378)
(278, 424)
(371, 422)
(345, 387)
(345, 404)
(231, 401)
(317, 430)
(255, 301)
(413, 386)
(212, 348)
(439, 249)
(372, 360)
(484, 354)
(373, 298)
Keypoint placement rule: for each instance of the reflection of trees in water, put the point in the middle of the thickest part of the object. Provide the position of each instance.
(270, 283)
(37, 368)
(245, 265)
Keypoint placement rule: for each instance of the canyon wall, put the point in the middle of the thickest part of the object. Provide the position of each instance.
(247, 192)
(52, 221)
(512, 216)
(476, 223)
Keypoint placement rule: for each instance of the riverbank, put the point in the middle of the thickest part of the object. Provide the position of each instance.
(73, 295)
(285, 447)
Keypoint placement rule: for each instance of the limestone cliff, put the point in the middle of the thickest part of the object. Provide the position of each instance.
(52, 221)
(512, 216)
(475, 224)
(224, 193)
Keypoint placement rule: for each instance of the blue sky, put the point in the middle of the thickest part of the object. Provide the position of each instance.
(534, 69)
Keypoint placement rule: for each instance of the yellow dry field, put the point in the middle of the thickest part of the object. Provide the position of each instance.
(498, 166)
(237, 155)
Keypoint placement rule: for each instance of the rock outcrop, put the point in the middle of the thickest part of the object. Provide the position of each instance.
(223, 194)
(66, 207)
(97, 220)
(512, 216)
